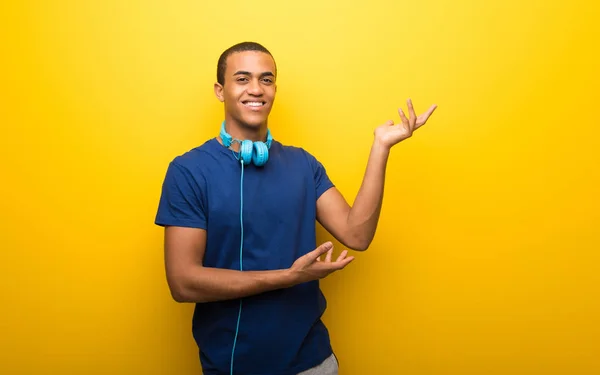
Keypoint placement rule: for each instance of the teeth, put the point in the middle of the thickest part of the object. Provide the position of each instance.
(254, 104)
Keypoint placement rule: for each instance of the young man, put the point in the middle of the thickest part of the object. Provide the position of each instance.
(239, 213)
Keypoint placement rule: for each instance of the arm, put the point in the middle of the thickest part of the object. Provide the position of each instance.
(190, 281)
(355, 225)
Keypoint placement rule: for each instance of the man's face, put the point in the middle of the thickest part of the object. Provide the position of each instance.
(249, 88)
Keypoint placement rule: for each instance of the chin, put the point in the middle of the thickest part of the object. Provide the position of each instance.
(254, 122)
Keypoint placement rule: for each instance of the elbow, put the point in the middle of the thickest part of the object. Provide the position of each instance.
(357, 236)
(360, 246)
(179, 296)
(183, 295)
(180, 292)
(358, 243)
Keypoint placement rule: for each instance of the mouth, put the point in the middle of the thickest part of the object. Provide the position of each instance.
(254, 104)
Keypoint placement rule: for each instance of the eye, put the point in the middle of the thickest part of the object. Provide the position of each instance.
(242, 79)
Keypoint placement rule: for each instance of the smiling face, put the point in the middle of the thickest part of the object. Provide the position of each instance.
(248, 90)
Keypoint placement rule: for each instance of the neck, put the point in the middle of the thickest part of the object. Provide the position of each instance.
(241, 131)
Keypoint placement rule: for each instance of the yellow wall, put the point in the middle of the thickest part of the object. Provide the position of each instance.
(486, 259)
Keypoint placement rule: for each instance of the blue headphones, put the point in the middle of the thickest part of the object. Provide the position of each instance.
(255, 152)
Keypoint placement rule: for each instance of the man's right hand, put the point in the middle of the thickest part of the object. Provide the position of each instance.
(310, 267)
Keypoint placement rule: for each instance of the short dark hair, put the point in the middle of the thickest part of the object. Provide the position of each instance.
(240, 47)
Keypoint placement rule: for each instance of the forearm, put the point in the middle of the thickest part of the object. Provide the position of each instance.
(364, 214)
(205, 284)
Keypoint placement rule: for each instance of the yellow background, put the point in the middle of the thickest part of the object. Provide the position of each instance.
(486, 258)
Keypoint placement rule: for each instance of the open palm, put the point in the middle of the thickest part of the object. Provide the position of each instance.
(390, 134)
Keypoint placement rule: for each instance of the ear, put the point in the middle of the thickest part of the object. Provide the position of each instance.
(219, 92)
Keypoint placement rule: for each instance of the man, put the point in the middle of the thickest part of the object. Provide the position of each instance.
(239, 214)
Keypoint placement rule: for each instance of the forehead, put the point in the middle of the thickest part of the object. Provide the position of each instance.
(250, 61)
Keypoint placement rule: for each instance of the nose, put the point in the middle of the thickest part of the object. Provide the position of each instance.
(255, 88)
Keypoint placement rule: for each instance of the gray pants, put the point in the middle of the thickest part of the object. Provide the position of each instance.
(327, 367)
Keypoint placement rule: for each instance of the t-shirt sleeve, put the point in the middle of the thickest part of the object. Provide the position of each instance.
(322, 180)
(182, 199)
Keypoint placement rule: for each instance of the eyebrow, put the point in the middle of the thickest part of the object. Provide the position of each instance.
(242, 72)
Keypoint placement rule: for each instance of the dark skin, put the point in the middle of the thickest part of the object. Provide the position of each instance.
(248, 94)
(249, 79)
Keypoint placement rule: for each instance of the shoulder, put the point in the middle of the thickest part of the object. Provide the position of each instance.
(302, 160)
(297, 152)
(192, 168)
(197, 156)
(202, 162)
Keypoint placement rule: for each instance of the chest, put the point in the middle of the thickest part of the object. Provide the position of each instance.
(270, 196)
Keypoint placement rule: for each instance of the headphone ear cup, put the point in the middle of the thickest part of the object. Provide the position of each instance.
(225, 136)
(246, 151)
(261, 154)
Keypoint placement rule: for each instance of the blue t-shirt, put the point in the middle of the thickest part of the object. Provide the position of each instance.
(280, 332)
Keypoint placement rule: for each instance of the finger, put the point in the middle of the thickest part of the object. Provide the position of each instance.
(422, 119)
(342, 256)
(318, 258)
(328, 257)
(411, 113)
(431, 109)
(411, 109)
(402, 116)
(335, 266)
(343, 263)
(322, 249)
